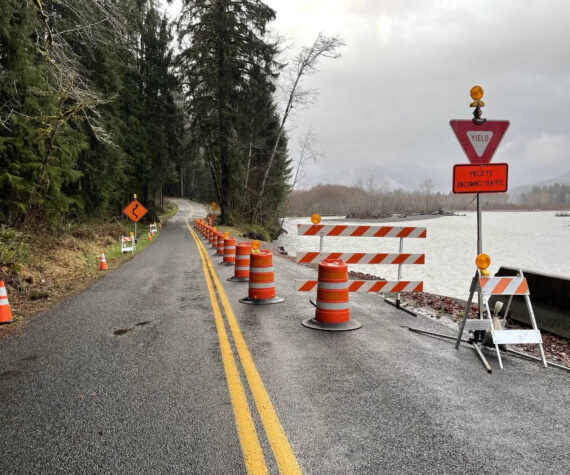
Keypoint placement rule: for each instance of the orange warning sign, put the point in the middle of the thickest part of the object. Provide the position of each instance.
(135, 211)
(469, 178)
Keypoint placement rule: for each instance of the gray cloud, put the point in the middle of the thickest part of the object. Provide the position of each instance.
(384, 107)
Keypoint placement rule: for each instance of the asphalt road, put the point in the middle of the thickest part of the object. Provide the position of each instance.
(75, 397)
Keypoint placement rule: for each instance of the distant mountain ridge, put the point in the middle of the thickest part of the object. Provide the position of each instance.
(519, 190)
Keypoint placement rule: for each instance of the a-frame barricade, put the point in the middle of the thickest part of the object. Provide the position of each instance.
(487, 287)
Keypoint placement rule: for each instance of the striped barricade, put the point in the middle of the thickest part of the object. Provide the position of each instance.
(386, 286)
(360, 231)
(511, 286)
(127, 244)
(360, 258)
(399, 259)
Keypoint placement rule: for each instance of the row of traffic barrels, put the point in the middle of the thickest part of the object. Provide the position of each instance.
(250, 265)
(256, 266)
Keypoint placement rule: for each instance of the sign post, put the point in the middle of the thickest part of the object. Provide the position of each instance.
(479, 139)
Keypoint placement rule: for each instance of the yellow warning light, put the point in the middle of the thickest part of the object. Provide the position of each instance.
(255, 245)
(226, 235)
(131, 234)
(214, 229)
(135, 196)
(316, 218)
(476, 93)
(482, 261)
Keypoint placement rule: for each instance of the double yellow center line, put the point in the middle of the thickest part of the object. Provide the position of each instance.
(249, 441)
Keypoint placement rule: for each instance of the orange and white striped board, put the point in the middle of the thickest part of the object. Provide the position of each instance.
(127, 244)
(361, 258)
(360, 231)
(386, 286)
(503, 286)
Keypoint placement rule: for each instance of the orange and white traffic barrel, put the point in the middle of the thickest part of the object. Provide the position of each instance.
(220, 244)
(5, 311)
(261, 280)
(241, 269)
(333, 307)
(229, 251)
(214, 241)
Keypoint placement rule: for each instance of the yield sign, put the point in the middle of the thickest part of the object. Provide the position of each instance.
(479, 142)
(135, 211)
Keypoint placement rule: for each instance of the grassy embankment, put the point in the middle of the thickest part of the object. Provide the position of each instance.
(41, 268)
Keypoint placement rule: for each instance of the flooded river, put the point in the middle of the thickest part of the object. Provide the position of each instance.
(537, 241)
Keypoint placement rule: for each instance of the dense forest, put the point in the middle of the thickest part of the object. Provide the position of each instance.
(98, 102)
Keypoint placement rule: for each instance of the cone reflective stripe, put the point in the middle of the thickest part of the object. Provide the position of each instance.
(5, 311)
(229, 250)
(241, 269)
(220, 243)
(103, 262)
(333, 308)
(261, 279)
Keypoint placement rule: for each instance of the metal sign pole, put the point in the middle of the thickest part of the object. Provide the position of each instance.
(479, 251)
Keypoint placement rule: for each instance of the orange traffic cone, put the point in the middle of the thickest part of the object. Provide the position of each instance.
(5, 312)
(103, 262)
(149, 238)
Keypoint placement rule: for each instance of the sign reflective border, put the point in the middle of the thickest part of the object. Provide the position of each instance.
(470, 178)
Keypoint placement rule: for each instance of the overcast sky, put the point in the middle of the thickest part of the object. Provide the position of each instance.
(384, 107)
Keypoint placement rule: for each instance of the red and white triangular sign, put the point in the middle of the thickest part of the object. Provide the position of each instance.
(479, 142)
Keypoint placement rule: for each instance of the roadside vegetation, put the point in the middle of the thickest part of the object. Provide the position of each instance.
(40, 268)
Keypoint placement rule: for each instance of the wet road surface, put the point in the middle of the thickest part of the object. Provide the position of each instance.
(132, 376)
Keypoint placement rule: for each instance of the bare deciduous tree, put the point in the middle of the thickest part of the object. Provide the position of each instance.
(305, 63)
(427, 187)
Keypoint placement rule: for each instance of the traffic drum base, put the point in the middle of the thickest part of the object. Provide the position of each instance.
(233, 278)
(261, 301)
(331, 327)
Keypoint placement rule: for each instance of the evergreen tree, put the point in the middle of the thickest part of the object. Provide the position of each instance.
(225, 48)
